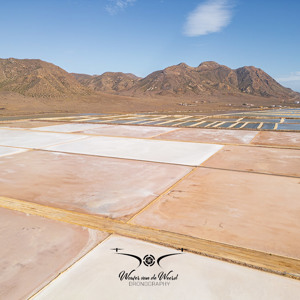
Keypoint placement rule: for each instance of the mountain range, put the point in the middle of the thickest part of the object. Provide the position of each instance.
(182, 80)
(36, 78)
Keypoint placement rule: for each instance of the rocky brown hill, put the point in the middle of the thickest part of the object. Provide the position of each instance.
(209, 78)
(36, 78)
(255, 81)
(108, 82)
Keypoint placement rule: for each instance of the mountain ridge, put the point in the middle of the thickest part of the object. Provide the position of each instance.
(108, 81)
(210, 78)
(37, 78)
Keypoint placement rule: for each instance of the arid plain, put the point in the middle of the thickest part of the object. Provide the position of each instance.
(197, 178)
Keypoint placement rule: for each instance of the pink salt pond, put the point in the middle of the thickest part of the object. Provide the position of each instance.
(209, 136)
(34, 250)
(255, 211)
(110, 187)
(257, 159)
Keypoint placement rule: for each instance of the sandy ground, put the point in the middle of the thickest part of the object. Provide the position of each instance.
(15, 104)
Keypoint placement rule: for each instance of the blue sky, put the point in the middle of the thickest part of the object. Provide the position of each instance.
(142, 36)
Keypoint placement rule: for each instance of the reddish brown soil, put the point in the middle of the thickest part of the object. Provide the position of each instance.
(13, 104)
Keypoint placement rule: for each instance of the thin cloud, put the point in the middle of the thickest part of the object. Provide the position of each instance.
(210, 16)
(292, 81)
(115, 6)
(294, 76)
